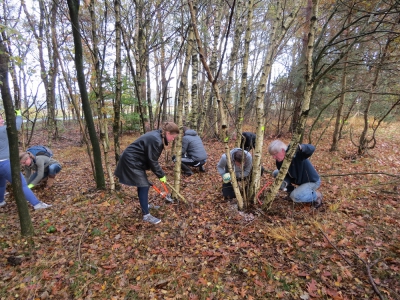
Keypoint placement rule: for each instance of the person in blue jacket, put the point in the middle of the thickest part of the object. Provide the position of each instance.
(193, 152)
(5, 167)
(142, 155)
(301, 173)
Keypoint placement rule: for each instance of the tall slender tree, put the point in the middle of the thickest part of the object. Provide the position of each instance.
(73, 6)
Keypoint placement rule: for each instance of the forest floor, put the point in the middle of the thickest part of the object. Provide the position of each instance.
(93, 244)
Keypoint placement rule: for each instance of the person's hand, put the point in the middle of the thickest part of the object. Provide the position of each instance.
(18, 112)
(163, 179)
(30, 185)
(284, 186)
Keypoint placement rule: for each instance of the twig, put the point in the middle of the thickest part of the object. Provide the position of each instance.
(345, 259)
(361, 173)
(371, 280)
(178, 194)
(80, 242)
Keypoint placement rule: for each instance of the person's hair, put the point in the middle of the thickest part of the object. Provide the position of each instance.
(171, 127)
(238, 156)
(276, 146)
(24, 156)
(184, 129)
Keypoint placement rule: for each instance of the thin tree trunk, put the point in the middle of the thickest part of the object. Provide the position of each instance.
(223, 119)
(118, 80)
(74, 14)
(183, 86)
(243, 87)
(98, 90)
(304, 109)
(12, 133)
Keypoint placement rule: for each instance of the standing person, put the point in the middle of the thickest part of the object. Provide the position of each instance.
(193, 152)
(301, 173)
(242, 164)
(143, 155)
(38, 168)
(5, 167)
(248, 141)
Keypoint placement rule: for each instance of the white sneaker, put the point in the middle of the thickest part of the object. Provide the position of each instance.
(149, 218)
(42, 205)
(3, 203)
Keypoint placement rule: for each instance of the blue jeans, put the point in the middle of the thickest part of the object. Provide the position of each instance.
(143, 193)
(5, 175)
(51, 171)
(305, 192)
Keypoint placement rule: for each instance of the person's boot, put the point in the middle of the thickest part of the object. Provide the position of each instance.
(202, 167)
(50, 181)
(186, 170)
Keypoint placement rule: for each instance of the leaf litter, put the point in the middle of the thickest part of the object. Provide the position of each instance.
(99, 248)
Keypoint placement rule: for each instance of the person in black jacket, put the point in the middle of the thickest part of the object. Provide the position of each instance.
(301, 173)
(193, 152)
(143, 155)
(248, 141)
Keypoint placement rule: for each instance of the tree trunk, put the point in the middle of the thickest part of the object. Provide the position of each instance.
(183, 87)
(12, 133)
(243, 86)
(118, 80)
(274, 40)
(223, 119)
(309, 80)
(73, 6)
(98, 91)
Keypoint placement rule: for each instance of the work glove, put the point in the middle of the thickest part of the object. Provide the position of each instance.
(226, 177)
(30, 185)
(18, 112)
(163, 179)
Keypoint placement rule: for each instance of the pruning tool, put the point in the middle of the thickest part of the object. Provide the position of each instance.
(166, 195)
(263, 188)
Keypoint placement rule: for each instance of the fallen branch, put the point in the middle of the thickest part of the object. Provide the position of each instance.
(361, 173)
(80, 242)
(178, 194)
(345, 259)
(371, 280)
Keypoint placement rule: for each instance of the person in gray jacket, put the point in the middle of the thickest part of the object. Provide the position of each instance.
(242, 164)
(193, 152)
(38, 168)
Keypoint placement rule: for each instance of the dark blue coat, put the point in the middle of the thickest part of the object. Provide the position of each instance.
(301, 169)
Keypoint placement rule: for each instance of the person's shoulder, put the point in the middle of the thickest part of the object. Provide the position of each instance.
(190, 132)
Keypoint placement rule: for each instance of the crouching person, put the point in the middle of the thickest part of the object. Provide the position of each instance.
(301, 173)
(38, 168)
(242, 164)
(193, 152)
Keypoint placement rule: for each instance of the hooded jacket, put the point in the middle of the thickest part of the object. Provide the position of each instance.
(141, 155)
(301, 169)
(248, 164)
(192, 146)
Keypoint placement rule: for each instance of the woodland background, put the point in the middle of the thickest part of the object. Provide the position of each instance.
(91, 76)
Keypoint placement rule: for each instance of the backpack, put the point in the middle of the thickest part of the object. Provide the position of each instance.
(40, 150)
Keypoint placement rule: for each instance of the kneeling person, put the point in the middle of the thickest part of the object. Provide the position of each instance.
(238, 156)
(301, 173)
(193, 152)
(38, 168)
